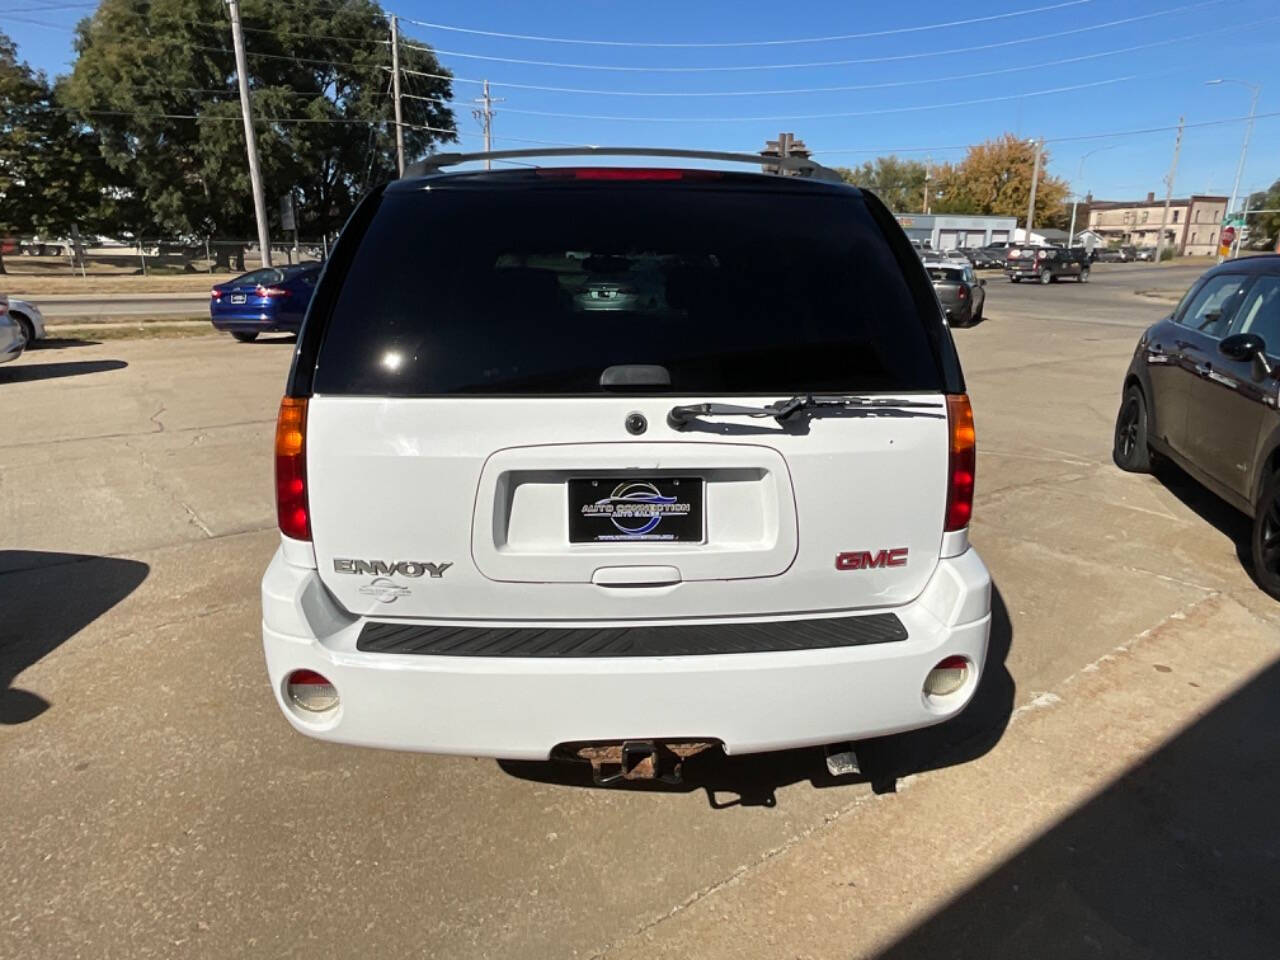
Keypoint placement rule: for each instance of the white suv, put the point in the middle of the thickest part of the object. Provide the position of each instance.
(620, 463)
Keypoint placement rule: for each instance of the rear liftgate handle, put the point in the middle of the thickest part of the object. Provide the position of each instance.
(654, 576)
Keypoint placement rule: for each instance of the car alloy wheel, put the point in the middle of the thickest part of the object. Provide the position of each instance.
(1046, 277)
(1129, 450)
(1266, 538)
(1084, 275)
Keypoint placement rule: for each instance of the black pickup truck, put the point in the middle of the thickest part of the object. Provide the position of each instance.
(1047, 264)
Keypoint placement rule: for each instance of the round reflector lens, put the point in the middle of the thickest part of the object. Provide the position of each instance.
(311, 692)
(947, 677)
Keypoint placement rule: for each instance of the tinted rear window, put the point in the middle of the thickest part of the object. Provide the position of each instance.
(538, 290)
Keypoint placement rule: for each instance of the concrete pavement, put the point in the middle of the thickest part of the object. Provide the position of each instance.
(1114, 776)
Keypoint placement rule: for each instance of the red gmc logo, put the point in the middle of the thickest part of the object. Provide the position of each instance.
(865, 559)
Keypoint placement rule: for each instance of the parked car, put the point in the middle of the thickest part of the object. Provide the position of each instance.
(1145, 253)
(987, 258)
(12, 339)
(1201, 390)
(28, 316)
(961, 294)
(1047, 264)
(516, 526)
(273, 299)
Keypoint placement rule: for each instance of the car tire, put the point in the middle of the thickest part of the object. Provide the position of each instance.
(1266, 537)
(1046, 278)
(977, 316)
(1129, 447)
(1084, 276)
(1015, 279)
(28, 329)
(244, 337)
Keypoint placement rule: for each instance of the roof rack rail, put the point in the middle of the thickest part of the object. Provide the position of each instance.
(802, 166)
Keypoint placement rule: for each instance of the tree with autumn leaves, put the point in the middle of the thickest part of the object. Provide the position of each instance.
(993, 179)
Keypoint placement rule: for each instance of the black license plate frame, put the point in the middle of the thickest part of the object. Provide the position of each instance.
(637, 509)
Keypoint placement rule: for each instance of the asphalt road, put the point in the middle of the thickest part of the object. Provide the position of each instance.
(1111, 792)
(66, 308)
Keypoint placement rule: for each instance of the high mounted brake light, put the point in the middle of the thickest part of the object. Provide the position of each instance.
(962, 461)
(291, 469)
(625, 173)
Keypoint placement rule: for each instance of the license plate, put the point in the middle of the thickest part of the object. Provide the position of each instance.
(611, 510)
(237, 298)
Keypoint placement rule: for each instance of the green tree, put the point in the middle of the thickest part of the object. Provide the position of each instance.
(157, 82)
(1264, 225)
(899, 183)
(994, 179)
(50, 170)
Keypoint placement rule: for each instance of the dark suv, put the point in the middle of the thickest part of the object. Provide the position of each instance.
(1047, 264)
(1202, 389)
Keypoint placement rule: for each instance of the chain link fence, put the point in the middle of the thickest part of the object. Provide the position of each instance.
(45, 257)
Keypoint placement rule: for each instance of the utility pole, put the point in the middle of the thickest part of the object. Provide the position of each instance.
(1168, 191)
(251, 141)
(395, 86)
(928, 164)
(485, 116)
(1035, 180)
(1244, 152)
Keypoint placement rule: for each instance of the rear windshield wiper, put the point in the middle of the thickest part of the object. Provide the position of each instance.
(781, 410)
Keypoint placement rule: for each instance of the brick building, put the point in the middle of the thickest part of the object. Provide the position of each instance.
(1192, 227)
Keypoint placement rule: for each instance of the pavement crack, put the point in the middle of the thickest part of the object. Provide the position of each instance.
(155, 418)
(193, 517)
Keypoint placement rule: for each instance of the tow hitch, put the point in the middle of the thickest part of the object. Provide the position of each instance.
(638, 759)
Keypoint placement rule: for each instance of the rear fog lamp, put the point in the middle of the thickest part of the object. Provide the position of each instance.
(311, 691)
(946, 678)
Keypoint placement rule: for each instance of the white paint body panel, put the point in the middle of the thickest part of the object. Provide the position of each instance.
(429, 480)
(522, 708)
(479, 483)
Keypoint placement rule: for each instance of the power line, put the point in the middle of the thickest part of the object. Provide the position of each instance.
(750, 43)
(882, 85)
(970, 49)
(1074, 138)
(850, 113)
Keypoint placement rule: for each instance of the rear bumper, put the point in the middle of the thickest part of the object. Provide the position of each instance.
(521, 708)
(262, 322)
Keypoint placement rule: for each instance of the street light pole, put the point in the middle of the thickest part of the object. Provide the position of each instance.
(1071, 237)
(1244, 148)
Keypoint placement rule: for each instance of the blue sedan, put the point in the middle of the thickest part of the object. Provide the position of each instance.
(273, 299)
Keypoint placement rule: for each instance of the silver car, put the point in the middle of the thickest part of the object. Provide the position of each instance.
(12, 338)
(28, 316)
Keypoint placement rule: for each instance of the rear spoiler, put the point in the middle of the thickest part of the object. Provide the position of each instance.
(800, 166)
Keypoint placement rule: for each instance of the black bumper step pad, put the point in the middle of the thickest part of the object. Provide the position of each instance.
(682, 640)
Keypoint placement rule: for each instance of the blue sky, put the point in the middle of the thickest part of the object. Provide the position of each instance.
(916, 82)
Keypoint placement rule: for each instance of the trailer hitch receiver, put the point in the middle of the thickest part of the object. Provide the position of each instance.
(659, 760)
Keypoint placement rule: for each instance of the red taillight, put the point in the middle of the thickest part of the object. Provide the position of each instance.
(962, 462)
(626, 173)
(215, 294)
(291, 469)
(271, 292)
(964, 292)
